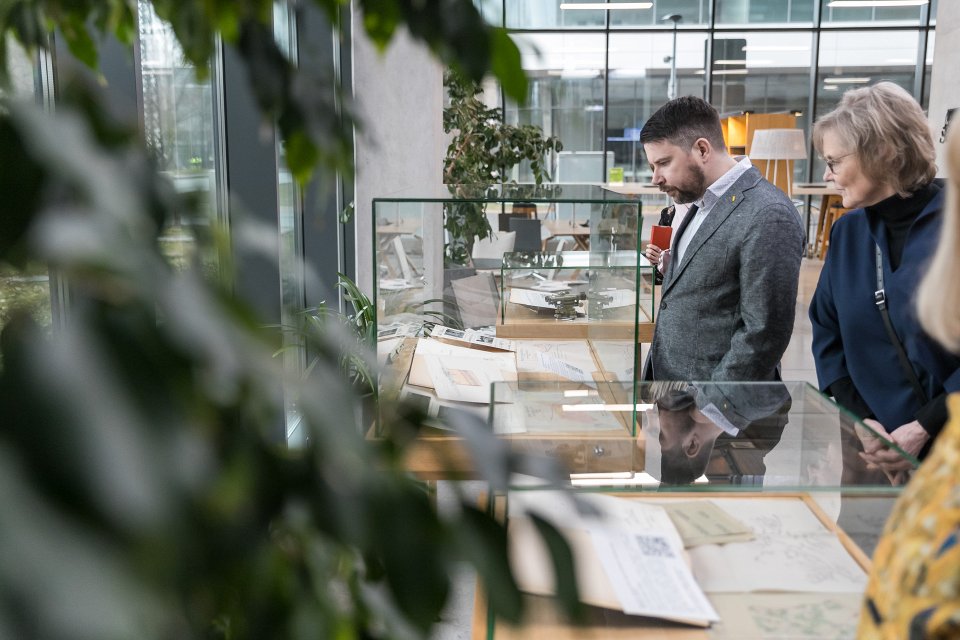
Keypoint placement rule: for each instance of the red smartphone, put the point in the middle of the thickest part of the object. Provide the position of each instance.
(660, 236)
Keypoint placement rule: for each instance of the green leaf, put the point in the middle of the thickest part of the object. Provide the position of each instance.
(565, 575)
(484, 541)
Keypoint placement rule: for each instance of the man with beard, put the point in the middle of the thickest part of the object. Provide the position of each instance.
(730, 276)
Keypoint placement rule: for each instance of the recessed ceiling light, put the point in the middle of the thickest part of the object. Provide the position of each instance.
(774, 47)
(604, 6)
(729, 62)
(846, 80)
(877, 3)
(722, 72)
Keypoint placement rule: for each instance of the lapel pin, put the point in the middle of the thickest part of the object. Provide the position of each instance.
(733, 198)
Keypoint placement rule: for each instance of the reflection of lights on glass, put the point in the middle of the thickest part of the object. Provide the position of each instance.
(603, 6)
(846, 80)
(640, 72)
(877, 3)
(579, 393)
(575, 73)
(774, 47)
(612, 408)
(723, 72)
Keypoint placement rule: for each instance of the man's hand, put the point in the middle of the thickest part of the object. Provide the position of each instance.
(658, 256)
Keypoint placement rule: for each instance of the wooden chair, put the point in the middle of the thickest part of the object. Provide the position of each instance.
(834, 211)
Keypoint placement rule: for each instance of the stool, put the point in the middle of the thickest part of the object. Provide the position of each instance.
(834, 212)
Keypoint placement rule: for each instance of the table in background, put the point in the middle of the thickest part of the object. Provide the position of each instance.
(830, 201)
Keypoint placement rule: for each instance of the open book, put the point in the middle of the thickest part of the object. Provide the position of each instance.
(628, 555)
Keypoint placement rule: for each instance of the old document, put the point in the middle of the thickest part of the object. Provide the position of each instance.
(792, 551)
(628, 555)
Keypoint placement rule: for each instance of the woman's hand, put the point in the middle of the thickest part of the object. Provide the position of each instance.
(877, 452)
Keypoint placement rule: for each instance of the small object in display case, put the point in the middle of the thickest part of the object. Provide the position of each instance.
(566, 304)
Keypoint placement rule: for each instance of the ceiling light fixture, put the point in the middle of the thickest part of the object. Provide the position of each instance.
(877, 3)
(603, 6)
(846, 80)
(774, 47)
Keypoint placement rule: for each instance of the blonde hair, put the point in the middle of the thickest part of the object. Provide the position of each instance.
(938, 300)
(885, 127)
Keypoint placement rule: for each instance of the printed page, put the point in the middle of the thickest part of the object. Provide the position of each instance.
(703, 522)
(650, 577)
(575, 353)
(530, 298)
(630, 559)
(549, 417)
(616, 358)
(468, 378)
(420, 376)
(798, 616)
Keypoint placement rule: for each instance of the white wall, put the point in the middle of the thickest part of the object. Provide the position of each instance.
(945, 75)
(400, 149)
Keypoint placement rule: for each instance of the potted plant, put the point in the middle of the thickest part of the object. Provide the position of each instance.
(142, 495)
(480, 156)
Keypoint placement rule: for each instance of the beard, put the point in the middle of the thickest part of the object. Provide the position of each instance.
(690, 189)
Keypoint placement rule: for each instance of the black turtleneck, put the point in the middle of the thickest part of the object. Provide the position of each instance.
(898, 214)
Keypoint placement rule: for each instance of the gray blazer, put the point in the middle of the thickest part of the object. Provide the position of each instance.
(727, 309)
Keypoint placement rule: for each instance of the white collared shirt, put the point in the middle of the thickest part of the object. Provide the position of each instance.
(710, 198)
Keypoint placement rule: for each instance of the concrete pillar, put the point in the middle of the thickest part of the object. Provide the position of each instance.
(945, 75)
(401, 144)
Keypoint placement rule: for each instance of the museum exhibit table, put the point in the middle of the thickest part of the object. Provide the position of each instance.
(782, 462)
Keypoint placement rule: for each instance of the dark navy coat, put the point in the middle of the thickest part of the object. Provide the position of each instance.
(849, 337)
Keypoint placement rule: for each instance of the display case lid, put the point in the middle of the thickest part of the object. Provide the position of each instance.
(715, 436)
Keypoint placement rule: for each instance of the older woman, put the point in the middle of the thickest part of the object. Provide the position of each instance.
(870, 352)
(914, 588)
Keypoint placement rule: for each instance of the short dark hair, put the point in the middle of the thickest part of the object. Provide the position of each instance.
(682, 121)
(677, 468)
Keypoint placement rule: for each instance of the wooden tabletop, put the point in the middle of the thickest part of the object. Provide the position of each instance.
(815, 189)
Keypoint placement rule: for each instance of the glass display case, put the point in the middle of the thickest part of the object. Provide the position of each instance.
(429, 262)
(576, 294)
(771, 490)
(558, 291)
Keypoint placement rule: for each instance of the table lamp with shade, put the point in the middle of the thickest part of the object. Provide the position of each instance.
(776, 146)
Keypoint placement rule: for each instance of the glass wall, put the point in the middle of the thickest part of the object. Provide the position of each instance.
(598, 73)
(179, 131)
(639, 77)
(26, 288)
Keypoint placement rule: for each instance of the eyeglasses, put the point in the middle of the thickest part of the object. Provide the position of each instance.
(833, 162)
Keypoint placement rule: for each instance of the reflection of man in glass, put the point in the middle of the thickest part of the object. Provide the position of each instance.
(686, 436)
(696, 418)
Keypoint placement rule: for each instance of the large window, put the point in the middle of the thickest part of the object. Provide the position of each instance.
(639, 78)
(597, 75)
(179, 131)
(25, 288)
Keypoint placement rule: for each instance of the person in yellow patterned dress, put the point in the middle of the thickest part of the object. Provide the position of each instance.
(914, 586)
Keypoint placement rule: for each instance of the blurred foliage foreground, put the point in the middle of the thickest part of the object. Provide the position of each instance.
(141, 495)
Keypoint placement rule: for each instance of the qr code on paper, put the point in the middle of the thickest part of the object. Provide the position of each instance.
(654, 546)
